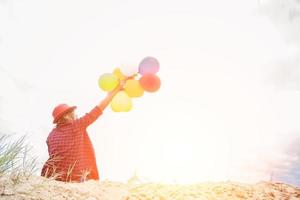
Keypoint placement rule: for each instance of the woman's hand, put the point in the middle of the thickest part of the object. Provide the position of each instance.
(104, 103)
(123, 82)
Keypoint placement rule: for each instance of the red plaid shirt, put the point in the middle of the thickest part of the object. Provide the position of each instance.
(71, 153)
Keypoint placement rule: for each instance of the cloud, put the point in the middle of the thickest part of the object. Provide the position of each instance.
(3, 2)
(285, 75)
(285, 14)
(20, 84)
(291, 173)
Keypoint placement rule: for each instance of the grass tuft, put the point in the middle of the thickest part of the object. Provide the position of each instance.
(14, 158)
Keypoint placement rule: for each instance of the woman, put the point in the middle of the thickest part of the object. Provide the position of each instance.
(71, 153)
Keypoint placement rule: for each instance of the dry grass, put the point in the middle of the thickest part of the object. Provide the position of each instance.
(53, 174)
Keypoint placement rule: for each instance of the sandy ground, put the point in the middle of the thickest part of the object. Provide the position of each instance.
(40, 188)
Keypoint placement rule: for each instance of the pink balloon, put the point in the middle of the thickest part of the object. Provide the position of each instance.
(149, 65)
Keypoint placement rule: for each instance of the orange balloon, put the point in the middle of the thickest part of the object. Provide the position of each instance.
(150, 82)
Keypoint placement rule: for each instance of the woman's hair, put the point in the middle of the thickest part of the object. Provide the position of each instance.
(63, 119)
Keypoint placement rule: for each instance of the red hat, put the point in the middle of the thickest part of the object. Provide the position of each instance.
(60, 110)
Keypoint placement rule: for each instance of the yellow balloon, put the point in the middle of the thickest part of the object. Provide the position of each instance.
(108, 82)
(133, 88)
(121, 102)
(117, 72)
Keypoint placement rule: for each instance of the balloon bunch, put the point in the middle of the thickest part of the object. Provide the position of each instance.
(134, 86)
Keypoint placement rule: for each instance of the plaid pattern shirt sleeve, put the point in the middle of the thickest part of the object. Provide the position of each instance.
(89, 118)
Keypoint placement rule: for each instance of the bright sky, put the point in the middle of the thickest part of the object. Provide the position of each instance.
(218, 116)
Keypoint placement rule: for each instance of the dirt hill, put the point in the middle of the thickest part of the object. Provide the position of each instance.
(40, 188)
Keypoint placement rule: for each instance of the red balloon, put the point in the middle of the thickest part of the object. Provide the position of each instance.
(150, 82)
